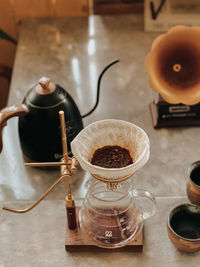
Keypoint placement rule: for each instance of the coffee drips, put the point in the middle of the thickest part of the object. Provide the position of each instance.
(111, 157)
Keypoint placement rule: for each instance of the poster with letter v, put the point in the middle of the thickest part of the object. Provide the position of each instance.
(161, 15)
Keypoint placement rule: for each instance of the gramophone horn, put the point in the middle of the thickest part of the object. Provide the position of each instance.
(173, 65)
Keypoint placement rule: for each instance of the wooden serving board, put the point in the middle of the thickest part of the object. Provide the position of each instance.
(77, 241)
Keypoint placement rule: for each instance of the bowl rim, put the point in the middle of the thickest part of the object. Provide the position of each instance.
(193, 166)
(172, 212)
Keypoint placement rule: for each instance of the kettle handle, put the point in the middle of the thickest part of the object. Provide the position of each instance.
(9, 112)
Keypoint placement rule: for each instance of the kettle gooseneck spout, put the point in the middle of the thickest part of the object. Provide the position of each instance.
(98, 88)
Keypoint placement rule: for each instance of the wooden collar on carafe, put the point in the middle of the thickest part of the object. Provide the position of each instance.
(45, 87)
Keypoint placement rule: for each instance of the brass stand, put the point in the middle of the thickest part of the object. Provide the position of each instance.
(67, 169)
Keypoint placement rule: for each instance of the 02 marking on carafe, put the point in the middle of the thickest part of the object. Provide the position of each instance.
(108, 233)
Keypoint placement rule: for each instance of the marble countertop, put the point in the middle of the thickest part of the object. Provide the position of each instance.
(73, 51)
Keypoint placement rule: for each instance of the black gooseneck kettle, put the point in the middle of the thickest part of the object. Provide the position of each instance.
(38, 125)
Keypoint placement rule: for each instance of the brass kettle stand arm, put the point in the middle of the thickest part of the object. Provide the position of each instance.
(39, 200)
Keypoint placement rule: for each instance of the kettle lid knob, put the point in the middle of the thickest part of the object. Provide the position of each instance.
(45, 86)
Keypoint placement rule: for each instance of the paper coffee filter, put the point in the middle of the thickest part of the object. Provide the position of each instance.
(111, 132)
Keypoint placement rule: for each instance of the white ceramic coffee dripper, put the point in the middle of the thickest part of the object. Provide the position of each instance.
(110, 215)
(111, 132)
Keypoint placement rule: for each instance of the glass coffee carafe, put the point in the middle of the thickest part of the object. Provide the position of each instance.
(112, 218)
(110, 215)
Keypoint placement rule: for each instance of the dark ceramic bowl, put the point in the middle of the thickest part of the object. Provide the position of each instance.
(184, 227)
(193, 183)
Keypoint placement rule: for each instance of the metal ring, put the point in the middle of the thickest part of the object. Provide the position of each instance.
(112, 180)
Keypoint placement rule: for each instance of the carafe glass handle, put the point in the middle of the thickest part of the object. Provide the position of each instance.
(143, 193)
